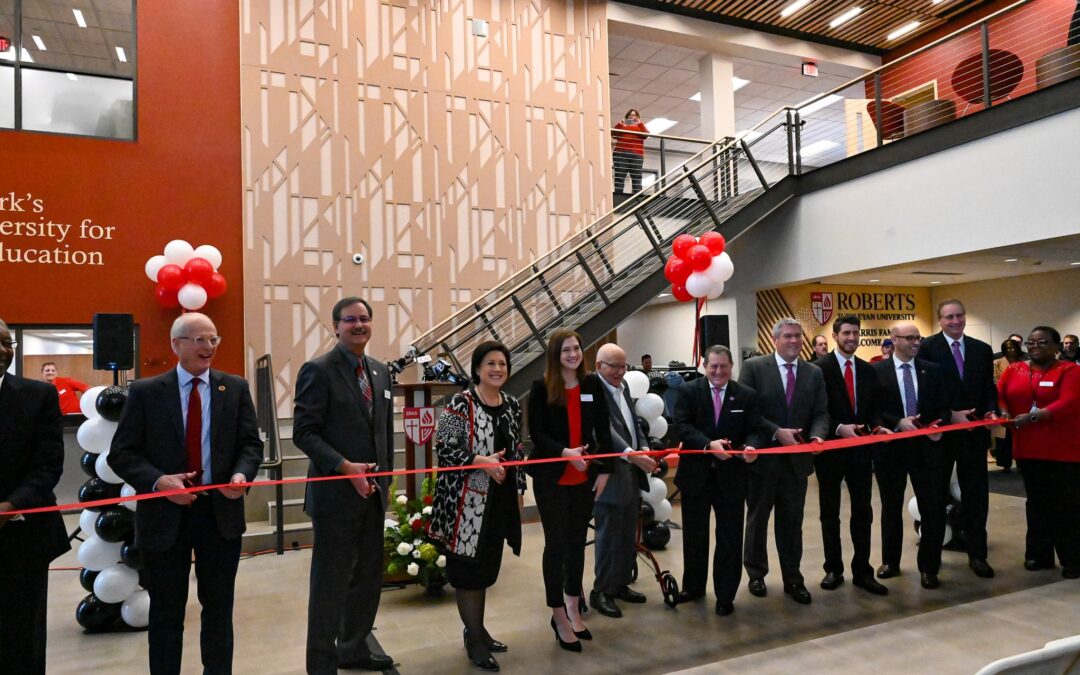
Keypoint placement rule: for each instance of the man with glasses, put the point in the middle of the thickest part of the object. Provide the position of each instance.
(619, 492)
(190, 426)
(912, 396)
(31, 461)
(343, 421)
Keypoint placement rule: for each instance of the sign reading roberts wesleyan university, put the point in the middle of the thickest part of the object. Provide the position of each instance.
(29, 237)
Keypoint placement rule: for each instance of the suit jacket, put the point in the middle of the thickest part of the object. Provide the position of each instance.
(626, 480)
(933, 398)
(331, 424)
(149, 443)
(695, 426)
(809, 409)
(549, 429)
(867, 396)
(31, 461)
(977, 388)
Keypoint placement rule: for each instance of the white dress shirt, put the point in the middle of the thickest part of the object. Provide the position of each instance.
(624, 408)
(782, 365)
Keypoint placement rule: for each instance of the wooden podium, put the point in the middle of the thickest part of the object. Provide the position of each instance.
(419, 418)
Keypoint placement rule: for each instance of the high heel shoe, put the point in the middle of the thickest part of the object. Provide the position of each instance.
(485, 663)
(568, 646)
(493, 645)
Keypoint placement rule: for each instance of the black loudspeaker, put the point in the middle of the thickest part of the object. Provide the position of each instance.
(713, 329)
(114, 342)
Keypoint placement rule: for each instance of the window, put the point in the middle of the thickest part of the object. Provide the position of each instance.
(68, 67)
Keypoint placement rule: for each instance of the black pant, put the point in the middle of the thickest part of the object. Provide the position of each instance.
(855, 467)
(781, 488)
(24, 590)
(628, 163)
(727, 556)
(1053, 511)
(167, 572)
(346, 582)
(615, 547)
(924, 461)
(1003, 450)
(968, 450)
(564, 513)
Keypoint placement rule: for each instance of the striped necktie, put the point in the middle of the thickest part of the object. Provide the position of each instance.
(365, 386)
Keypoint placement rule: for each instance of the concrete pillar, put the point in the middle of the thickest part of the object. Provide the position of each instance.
(715, 73)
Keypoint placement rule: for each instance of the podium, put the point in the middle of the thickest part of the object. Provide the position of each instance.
(419, 419)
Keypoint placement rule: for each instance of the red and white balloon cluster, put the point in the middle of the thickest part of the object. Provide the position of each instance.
(186, 277)
(698, 267)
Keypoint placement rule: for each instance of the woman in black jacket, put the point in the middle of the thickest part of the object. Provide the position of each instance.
(568, 417)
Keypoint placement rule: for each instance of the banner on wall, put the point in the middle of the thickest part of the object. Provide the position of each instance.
(816, 306)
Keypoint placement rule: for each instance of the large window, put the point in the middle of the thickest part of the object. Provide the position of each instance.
(68, 67)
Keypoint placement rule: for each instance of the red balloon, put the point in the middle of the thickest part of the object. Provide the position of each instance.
(715, 242)
(171, 277)
(679, 291)
(166, 297)
(699, 257)
(677, 270)
(681, 244)
(199, 271)
(215, 286)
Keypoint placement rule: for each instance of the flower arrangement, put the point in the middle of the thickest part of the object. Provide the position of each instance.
(406, 543)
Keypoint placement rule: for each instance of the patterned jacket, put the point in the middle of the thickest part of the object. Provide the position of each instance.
(465, 431)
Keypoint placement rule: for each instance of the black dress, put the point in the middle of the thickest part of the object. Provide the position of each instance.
(502, 521)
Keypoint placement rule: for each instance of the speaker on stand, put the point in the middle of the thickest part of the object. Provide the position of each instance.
(114, 343)
(713, 329)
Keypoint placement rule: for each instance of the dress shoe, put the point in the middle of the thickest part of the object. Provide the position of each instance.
(574, 646)
(981, 568)
(724, 608)
(1035, 565)
(584, 634)
(757, 588)
(1070, 572)
(369, 662)
(888, 571)
(627, 594)
(929, 580)
(832, 581)
(870, 585)
(798, 593)
(481, 658)
(687, 596)
(493, 645)
(604, 604)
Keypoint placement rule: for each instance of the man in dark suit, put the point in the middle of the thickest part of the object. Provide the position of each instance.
(189, 426)
(853, 411)
(618, 496)
(913, 395)
(343, 421)
(794, 406)
(31, 461)
(968, 366)
(717, 414)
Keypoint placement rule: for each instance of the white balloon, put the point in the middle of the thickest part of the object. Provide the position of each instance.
(154, 265)
(88, 402)
(104, 471)
(913, 509)
(715, 290)
(178, 252)
(116, 583)
(86, 521)
(948, 535)
(136, 609)
(656, 493)
(697, 284)
(96, 435)
(649, 406)
(191, 296)
(209, 253)
(658, 428)
(721, 268)
(954, 487)
(662, 510)
(96, 554)
(128, 491)
(637, 382)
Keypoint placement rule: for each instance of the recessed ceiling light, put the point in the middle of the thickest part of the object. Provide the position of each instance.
(120, 54)
(934, 283)
(821, 103)
(738, 83)
(69, 334)
(874, 281)
(1012, 259)
(26, 56)
(79, 18)
(749, 136)
(72, 77)
(1075, 264)
(659, 125)
(665, 295)
(902, 30)
(818, 147)
(845, 17)
(696, 97)
(39, 42)
(794, 7)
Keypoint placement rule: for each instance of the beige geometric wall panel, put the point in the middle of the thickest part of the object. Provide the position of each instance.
(390, 130)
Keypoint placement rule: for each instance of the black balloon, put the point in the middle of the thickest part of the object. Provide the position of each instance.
(132, 556)
(114, 524)
(88, 463)
(656, 536)
(661, 468)
(110, 403)
(95, 489)
(647, 513)
(95, 615)
(86, 579)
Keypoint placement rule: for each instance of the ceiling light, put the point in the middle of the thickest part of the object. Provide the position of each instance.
(902, 30)
(845, 17)
(72, 77)
(26, 56)
(659, 125)
(69, 334)
(665, 295)
(121, 55)
(793, 7)
(818, 147)
(1075, 264)
(39, 42)
(79, 18)
(820, 103)
(934, 283)
(874, 281)
(696, 97)
(1012, 259)
(749, 136)
(738, 83)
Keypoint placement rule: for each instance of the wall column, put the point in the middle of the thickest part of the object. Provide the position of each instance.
(715, 73)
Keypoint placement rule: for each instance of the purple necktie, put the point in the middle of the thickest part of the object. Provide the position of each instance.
(911, 399)
(789, 389)
(958, 357)
(717, 404)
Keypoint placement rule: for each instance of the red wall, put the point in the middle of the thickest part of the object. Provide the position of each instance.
(180, 180)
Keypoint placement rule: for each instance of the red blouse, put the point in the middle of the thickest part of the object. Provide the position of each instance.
(630, 142)
(1058, 391)
(571, 475)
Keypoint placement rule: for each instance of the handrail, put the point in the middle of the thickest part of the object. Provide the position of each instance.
(684, 139)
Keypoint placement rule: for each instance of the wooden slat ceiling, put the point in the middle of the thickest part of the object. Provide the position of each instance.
(866, 32)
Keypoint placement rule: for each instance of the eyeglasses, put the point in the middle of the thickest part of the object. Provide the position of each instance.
(617, 367)
(203, 341)
(909, 338)
(1036, 343)
(355, 319)
(9, 344)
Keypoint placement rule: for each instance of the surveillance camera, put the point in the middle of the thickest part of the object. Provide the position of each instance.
(358, 258)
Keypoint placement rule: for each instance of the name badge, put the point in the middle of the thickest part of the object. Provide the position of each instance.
(386, 394)
(1046, 384)
(735, 411)
(63, 391)
(586, 398)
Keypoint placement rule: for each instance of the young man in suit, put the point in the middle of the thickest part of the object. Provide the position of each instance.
(189, 426)
(795, 407)
(913, 395)
(31, 461)
(717, 414)
(618, 496)
(343, 421)
(853, 411)
(968, 366)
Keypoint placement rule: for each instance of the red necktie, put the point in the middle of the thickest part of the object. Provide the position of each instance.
(789, 390)
(365, 386)
(849, 384)
(193, 439)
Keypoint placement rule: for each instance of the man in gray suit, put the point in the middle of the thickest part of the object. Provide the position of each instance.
(794, 404)
(343, 421)
(618, 494)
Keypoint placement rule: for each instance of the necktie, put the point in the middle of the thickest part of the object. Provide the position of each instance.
(911, 401)
(789, 389)
(365, 386)
(193, 435)
(849, 384)
(958, 357)
(717, 404)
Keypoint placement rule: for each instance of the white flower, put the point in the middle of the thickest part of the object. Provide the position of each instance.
(416, 542)
(402, 499)
(413, 569)
(416, 553)
(440, 561)
(404, 548)
(390, 522)
(427, 511)
(413, 516)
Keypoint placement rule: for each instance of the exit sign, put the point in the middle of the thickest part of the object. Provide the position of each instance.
(809, 69)
(5, 44)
